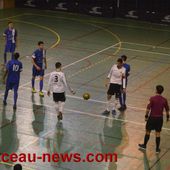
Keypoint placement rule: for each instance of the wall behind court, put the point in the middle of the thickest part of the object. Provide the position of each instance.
(147, 10)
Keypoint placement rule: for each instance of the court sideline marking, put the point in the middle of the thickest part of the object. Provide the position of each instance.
(91, 114)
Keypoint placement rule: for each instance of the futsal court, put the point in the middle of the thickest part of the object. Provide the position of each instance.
(87, 47)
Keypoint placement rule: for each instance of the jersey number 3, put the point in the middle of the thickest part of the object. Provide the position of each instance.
(15, 67)
(56, 79)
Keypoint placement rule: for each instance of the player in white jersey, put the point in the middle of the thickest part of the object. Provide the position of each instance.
(114, 80)
(57, 85)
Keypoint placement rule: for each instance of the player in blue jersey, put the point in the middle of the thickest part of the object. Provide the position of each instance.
(10, 35)
(122, 97)
(39, 65)
(13, 69)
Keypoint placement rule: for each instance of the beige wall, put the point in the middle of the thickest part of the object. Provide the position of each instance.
(7, 4)
(1, 4)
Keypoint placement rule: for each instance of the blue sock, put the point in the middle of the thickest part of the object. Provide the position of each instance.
(124, 98)
(5, 58)
(33, 82)
(15, 97)
(6, 95)
(121, 99)
(41, 85)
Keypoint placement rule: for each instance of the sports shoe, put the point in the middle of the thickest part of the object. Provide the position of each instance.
(41, 94)
(60, 116)
(122, 108)
(113, 112)
(142, 146)
(14, 106)
(4, 102)
(158, 150)
(33, 90)
(106, 112)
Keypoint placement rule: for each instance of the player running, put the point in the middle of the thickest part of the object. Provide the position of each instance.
(58, 84)
(39, 65)
(13, 69)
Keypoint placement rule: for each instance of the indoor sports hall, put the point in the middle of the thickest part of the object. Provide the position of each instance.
(87, 45)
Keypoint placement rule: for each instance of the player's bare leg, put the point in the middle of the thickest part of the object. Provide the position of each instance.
(108, 104)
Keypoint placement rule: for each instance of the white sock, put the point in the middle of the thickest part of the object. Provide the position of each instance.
(108, 105)
(61, 106)
(115, 104)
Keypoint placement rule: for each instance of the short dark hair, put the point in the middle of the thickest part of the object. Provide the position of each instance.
(124, 57)
(16, 56)
(40, 42)
(159, 89)
(119, 60)
(10, 22)
(18, 167)
(58, 65)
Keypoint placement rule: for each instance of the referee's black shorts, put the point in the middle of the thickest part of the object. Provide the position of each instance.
(114, 89)
(154, 123)
(59, 97)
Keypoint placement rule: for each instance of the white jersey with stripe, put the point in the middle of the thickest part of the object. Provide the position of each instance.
(116, 74)
(57, 82)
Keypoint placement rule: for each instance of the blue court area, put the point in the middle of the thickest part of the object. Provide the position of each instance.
(87, 47)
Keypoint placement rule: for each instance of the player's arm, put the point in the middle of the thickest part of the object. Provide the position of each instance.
(34, 64)
(45, 62)
(167, 110)
(108, 78)
(45, 59)
(124, 80)
(67, 85)
(5, 75)
(16, 38)
(128, 71)
(49, 85)
(148, 108)
(4, 35)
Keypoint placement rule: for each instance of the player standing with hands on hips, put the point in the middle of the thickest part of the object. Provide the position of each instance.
(39, 65)
(57, 85)
(154, 117)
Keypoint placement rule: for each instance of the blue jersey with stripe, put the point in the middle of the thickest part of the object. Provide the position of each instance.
(11, 35)
(14, 67)
(127, 67)
(38, 57)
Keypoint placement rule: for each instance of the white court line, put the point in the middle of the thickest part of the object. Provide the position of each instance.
(66, 66)
(93, 114)
(89, 114)
(84, 58)
(90, 100)
(145, 45)
(143, 51)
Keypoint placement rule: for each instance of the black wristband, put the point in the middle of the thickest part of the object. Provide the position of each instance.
(167, 116)
(146, 116)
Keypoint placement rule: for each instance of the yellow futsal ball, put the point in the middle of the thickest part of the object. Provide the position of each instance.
(86, 96)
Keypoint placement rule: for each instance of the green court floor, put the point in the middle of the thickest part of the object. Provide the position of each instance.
(87, 47)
